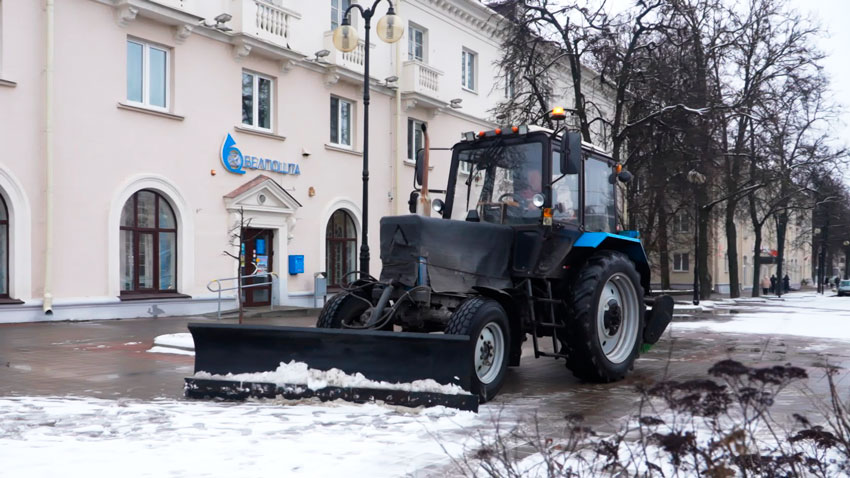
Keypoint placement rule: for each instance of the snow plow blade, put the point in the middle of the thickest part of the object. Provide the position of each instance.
(394, 357)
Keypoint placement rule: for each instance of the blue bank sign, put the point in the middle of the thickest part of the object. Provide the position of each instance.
(235, 162)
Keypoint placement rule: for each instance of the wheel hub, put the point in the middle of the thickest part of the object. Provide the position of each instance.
(486, 352)
(613, 317)
(489, 353)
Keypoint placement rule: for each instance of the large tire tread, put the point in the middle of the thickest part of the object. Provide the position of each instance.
(464, 321)
(584, 359)
(339, 306)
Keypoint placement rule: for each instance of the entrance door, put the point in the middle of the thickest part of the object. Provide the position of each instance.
(258, 254)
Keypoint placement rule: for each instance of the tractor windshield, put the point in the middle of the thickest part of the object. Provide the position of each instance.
(499, 181)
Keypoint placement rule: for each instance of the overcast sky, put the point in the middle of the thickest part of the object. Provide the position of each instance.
(834, 17)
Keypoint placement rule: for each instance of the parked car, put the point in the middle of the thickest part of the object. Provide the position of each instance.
(844, 288)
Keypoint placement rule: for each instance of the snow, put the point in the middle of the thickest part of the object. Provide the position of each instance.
(179, 344)
(89, 437)
(297, 373)
(183, 341)
(169, 350)
(800, 314)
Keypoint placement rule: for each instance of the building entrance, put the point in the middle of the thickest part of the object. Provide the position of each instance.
(258, 259)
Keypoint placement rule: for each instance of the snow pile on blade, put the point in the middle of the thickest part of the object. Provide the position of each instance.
(297, 373)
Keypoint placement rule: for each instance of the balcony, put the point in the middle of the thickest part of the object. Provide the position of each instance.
(266, 22)
(421, 78)
(352, 60)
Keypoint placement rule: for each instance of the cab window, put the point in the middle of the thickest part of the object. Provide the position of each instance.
(600, 209)
(565, 190)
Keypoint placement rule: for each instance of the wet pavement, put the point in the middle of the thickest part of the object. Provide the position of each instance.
(109, 359)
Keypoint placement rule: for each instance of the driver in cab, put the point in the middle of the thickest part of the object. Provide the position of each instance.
(528, 183)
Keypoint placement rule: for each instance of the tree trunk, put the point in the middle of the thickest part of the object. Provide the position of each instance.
(847, 263)
(663, 249)
(732, 249)
(781, 220)
(756, 225)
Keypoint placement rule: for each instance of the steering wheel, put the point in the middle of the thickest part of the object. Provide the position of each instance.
(508, 195)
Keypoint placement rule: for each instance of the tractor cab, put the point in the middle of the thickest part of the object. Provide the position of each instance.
(527, 175)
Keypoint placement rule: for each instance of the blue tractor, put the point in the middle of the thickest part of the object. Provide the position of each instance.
(524, 244)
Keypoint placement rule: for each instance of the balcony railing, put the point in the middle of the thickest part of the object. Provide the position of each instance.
(421, 78)
(352, 60)
(266, 21)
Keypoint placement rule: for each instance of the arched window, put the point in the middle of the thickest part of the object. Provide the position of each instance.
(148, 245)
(4, 250)
(341, 248)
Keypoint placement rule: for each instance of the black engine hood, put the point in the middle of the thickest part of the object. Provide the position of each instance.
(459, 254)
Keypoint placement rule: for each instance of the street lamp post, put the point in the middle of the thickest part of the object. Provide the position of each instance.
(390, 30)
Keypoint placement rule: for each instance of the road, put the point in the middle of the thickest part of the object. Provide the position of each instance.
(109, 360)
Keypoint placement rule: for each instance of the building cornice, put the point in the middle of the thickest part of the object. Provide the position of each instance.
(474, 15)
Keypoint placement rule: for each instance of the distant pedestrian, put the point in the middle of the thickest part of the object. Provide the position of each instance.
(786, 283)
(765, 284)
(772, 284)
(837, 280)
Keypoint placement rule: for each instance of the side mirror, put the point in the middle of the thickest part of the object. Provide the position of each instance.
(625, 176)
(420, 167)
(411, 203)
(570, 153)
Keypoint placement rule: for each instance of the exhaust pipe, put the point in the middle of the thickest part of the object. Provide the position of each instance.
(423, 196)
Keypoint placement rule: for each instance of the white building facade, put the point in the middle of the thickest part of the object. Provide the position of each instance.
(121, 121)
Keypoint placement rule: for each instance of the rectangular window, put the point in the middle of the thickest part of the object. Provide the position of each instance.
(338, 8)
(415, 43)
(468, 70)
(681, 223)
(680, 262)
(147, 74)
(257, 97)
(510, 85)
(341, 111)
(600, 210)
(415, 138)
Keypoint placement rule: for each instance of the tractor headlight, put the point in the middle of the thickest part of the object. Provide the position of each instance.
(438, 205)
(537, 200)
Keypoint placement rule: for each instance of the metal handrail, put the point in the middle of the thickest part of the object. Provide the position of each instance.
(219, 289)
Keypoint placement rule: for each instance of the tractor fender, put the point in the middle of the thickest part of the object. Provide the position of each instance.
(510, 305)
(630, 246)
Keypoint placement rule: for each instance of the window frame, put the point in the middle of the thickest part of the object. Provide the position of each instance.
(348, 219)
(340, 13)
(411, 138)
(411, 42)
(683, 258)
(336, 141)
(155, 232)
(464, 74)
(681, 223)
(510, 85)
(146, 47)
(255, 103)
(5, 222)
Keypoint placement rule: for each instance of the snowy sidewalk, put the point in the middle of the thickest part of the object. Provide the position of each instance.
(105, 438)
(801, 314)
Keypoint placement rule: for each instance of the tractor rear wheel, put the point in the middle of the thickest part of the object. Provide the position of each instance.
(343, 308)
(486, 324)
(607, 320)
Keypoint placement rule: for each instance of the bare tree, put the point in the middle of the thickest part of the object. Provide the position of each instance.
(237, 239)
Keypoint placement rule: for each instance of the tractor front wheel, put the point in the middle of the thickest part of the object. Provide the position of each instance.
(342, 309)
(607, 318)
(486, 324)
